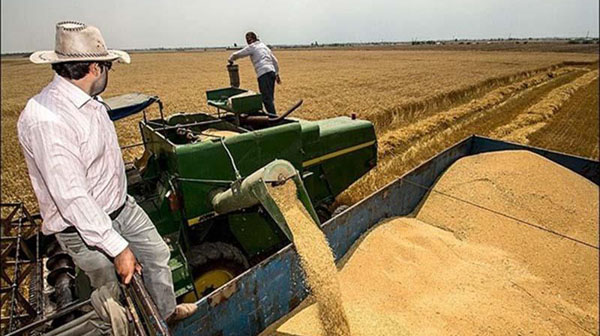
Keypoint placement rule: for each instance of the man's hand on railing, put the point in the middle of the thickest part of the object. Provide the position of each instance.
(126, 265)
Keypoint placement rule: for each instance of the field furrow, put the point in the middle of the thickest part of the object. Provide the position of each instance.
(575, 127)
(432, 135)
(537, 116)
(406, 113)
(402, 138)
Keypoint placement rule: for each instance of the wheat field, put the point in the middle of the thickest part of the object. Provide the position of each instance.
(420, 101)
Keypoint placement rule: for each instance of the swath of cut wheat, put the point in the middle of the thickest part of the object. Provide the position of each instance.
(535, 118)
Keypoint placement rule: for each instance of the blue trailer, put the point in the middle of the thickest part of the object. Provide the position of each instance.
(263, 294)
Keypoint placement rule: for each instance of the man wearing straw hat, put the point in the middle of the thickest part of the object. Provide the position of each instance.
(78, 175)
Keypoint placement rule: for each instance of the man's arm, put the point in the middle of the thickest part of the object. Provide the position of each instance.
(275, 63)
(276, 66)
(246, 51)
(57, 156)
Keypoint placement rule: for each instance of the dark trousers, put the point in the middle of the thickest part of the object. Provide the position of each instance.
(266, 85)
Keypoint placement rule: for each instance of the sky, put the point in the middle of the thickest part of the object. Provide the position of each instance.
(29, 25)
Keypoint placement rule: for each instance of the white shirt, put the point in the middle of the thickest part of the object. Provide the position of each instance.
(262, 58)
(74, 162)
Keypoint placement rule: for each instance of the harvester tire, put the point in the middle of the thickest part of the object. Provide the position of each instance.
(214, 263)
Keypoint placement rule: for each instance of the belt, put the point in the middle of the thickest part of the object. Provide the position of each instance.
(113, 215)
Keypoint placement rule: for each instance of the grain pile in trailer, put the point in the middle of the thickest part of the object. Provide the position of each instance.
(505, 242)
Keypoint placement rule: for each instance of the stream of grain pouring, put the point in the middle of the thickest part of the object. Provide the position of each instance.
(316, 259)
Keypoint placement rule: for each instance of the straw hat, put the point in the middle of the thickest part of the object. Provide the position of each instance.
(77, 41)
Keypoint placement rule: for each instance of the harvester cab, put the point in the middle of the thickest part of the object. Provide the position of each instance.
(203, 178)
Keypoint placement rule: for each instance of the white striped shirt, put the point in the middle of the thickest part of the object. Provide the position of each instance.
(74, 162)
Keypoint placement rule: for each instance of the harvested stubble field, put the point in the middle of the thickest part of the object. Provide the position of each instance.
(420, 101)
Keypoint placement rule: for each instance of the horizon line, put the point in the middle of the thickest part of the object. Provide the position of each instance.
(316, 44)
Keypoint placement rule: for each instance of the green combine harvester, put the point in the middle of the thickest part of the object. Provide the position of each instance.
(202, 179)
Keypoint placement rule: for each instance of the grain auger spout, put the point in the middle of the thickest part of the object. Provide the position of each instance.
(253, 190)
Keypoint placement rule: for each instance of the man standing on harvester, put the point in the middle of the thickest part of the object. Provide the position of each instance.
(78, 175)
(266, 67)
